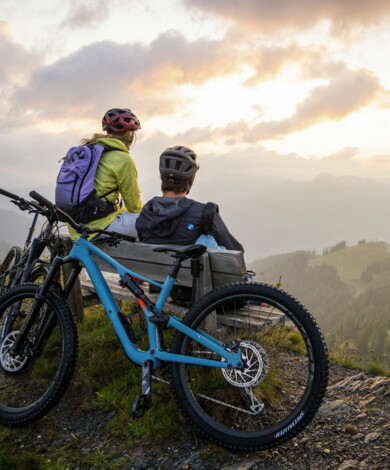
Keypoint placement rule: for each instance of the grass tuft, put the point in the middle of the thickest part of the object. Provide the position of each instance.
(22, 462)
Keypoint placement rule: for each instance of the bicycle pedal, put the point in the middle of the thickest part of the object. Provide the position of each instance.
(140, 405)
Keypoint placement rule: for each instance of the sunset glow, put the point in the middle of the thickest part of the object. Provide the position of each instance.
(307, 79)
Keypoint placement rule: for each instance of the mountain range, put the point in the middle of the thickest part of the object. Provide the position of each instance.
(311, 215)
(277, 217)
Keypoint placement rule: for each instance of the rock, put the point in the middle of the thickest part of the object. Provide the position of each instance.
(351, 429)
(333, 408)
(373, 436)
(379, 381)
(365, 403)
(240, 466)
(348, 464)
(365, 465)
(109, 416)
(347, 382)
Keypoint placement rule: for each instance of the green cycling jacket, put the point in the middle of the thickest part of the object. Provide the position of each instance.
(115, 172)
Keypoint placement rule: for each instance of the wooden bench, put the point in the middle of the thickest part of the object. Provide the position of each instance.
(215, 268)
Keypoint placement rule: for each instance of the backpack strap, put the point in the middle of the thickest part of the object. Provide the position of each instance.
(207, 218)
(108, 148)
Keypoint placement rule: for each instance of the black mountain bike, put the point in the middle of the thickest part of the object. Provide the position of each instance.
(22, 265)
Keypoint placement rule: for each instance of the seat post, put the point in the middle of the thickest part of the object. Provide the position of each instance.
(176, 266)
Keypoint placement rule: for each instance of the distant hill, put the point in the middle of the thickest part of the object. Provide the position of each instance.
(352, 262)
(348, 292)
(14, 227)
(309, 215)
(46, 190)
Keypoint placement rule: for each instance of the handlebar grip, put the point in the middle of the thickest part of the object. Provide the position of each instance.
(45, 202)
(36, 206)
(10, 195)
(127, 238)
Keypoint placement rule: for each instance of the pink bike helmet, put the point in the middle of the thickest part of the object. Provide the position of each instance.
(120, 120)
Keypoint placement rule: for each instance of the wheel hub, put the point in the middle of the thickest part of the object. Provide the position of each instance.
(256, 365)
(9, 363)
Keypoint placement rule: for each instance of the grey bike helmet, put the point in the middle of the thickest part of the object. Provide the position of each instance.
(178, 163)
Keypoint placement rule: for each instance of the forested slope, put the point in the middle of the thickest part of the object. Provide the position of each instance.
(347, 290)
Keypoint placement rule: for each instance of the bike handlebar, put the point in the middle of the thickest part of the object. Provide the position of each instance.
(45, 202)
(78, 227)
(10, 195)
(22, 203)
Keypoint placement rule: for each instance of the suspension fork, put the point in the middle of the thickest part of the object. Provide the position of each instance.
(31, 231)
(77, 267)
(39, 298)
(35, 252)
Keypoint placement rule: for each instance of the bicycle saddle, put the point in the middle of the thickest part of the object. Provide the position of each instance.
(193, 251)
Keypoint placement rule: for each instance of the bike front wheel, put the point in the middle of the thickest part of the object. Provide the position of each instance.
(282, 382)
(32, 382)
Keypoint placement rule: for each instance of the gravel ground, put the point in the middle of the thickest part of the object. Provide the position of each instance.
(351, 431)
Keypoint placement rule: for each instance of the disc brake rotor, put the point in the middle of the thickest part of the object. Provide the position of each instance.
(8, 363)
(256, 367)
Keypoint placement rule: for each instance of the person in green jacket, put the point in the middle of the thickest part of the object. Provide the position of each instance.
(116, 173)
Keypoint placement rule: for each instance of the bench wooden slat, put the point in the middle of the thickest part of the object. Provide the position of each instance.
(124, 294)
(141, 258)
(225, 266)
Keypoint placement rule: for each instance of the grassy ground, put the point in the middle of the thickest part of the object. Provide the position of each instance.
(110, 380)
(106, 380)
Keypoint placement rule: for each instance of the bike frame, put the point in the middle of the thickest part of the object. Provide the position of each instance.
(83, 250)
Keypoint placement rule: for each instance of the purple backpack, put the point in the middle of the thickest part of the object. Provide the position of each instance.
(75, 192)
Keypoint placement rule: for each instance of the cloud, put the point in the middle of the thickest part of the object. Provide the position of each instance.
(110, 74)
(86, 14)
(270, 16)
(342, 155)
(268, 60)
(345, 94)
(16, 61)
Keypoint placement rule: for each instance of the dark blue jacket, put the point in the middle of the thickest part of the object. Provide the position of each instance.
(177, 221)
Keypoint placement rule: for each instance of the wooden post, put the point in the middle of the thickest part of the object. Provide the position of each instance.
(204, 285)
(75, 298)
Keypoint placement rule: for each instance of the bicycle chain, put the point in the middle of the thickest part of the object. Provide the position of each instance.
(212, 399)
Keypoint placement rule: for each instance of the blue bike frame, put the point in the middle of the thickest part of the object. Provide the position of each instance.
(83, 251)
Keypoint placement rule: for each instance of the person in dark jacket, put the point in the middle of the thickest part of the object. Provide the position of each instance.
(176, 219)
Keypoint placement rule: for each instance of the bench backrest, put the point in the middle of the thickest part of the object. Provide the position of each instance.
(217, 267)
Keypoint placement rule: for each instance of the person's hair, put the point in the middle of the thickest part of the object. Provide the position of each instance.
(175, 185)
(112, 136)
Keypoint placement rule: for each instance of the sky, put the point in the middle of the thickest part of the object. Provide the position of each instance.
(262, 90)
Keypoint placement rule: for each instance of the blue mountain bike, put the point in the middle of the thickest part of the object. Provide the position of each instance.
(248, 364)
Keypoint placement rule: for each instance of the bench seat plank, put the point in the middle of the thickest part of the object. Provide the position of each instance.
(226, 266)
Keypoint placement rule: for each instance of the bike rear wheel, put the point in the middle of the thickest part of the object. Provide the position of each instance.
(285, 369)
(33, 382)
(7, 269)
